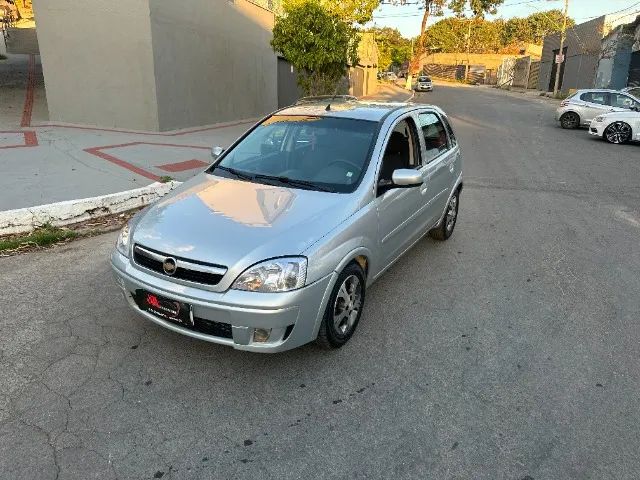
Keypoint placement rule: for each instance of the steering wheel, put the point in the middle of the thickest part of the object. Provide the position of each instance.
(348, 164)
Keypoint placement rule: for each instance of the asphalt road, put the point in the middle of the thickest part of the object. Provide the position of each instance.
(511, 351)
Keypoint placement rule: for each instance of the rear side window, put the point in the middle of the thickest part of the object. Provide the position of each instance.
(595, 97)
(622, 101)
(435, 135)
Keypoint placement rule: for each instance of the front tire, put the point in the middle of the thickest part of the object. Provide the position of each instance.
(570, 120)
(344, 308)
(445, 229)
(618, 133)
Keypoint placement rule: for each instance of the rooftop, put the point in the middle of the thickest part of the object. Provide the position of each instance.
(339, 108)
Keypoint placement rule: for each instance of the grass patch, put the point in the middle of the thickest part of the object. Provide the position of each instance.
(166, 179)
(41, 237)
(3, 57)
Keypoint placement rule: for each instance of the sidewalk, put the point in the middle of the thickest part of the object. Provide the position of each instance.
(42, 163)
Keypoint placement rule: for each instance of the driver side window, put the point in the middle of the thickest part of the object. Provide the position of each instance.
(402, 150)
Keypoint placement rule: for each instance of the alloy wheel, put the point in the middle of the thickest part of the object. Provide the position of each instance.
(347, 304)
(570, 120)
(452, 213)
(618, 132)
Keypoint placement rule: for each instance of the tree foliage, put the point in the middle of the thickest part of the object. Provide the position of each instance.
(533, 28)
(478, 7)
(393, 48)
(351, 11)
(318, 43)
(450, 34)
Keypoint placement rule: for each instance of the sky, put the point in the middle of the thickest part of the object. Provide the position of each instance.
(407, 18)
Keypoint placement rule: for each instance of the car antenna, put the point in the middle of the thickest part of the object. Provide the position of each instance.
(328, 107)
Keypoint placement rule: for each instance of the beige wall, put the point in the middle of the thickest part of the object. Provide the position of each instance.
(97, 62)
(156, 64)
(213, 61)
(489, 60)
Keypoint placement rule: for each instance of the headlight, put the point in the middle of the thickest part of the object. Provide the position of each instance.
(277, 275)
(122, 244)
(599, 119)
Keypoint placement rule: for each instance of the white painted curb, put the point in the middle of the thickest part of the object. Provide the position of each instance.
(58, 214)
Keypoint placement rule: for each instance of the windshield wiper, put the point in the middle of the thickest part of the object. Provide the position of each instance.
(235, 172)
(294, 181)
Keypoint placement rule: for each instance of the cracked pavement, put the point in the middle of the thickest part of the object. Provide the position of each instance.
(509, 352)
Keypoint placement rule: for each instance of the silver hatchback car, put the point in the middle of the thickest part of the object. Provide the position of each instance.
(583, 106)
(276, 243)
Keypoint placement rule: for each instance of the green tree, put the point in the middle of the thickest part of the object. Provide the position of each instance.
(477, 7)
(352, 11)
(545, 23)
(318, 43)
(393, 48)
(533, 28)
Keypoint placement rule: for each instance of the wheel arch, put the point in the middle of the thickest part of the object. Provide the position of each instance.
(574, 112)
(357, 255)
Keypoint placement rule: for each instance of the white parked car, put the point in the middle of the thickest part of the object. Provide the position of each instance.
(617, 127)
(585, 105)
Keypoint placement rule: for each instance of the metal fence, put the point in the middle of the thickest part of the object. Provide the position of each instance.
(475, 74)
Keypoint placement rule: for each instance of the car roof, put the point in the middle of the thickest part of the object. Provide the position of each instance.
(605, 90)
(356, 110)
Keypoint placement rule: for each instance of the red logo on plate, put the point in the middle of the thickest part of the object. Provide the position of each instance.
(153, 300)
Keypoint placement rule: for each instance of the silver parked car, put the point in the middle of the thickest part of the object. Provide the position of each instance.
(585, 105)
(424, 84)
(276, 243)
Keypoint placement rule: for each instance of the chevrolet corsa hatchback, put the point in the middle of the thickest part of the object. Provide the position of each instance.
(276, 243)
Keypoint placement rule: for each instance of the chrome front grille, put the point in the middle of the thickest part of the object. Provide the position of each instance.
(187, 270)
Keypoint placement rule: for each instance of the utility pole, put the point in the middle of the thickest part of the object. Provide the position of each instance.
(466, 71)
(563, 35)
(409, 81)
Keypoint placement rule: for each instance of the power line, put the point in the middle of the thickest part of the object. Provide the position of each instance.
(611, 13)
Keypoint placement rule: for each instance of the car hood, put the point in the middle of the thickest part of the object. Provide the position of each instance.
(232, 222)
(622, 116)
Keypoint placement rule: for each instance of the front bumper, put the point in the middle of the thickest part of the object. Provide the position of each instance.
(424, 88)
(293, 317)
(596, 129)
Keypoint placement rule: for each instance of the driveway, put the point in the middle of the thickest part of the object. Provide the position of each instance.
(511, 351)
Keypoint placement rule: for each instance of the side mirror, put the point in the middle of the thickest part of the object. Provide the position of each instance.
(406, 178)
(216, 152)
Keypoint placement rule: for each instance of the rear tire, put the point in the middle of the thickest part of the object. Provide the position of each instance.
(570, 120)
(617, 133)
(344, 308)
(445, 229)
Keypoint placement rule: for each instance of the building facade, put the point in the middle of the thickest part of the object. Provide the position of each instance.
(157, 65)
(596, 53)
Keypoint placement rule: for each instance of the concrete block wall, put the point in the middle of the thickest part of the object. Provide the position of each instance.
(97, 61)
(212, 61)
(156, 64)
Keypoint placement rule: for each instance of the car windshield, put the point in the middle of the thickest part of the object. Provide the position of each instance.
(311, 152)
(424, 79)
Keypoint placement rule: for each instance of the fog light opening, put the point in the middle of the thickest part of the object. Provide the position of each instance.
(261, 335)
